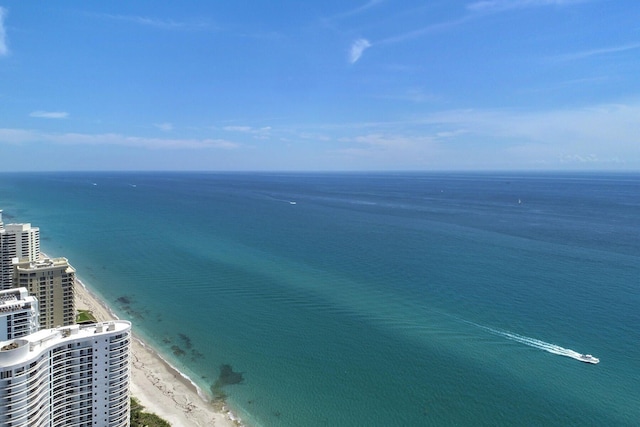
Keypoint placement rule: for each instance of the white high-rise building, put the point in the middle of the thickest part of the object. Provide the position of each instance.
(16, 241)
(70, 376)
(27, 240)
(18, 313)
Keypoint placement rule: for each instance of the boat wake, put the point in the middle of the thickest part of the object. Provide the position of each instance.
(539, 344)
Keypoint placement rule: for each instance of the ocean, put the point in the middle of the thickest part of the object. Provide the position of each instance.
(367, 299)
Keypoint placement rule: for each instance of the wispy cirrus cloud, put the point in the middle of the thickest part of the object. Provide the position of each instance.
(4, 49)
(164, 24)
(16, 136)
(502, 5)
(22, 136)
(388, 150)
(390, 141)
(590, 137)
(165, 127)
(597, 52)
(357, 49)
(475, 10)
(49, 114)
(599, 133)
(603, 122)
(358, 10)
(245, 129)
(589, 158)
(260, 133)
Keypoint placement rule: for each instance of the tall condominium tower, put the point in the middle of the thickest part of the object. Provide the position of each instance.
(16, 241)
(27, 240)
(18, 313)
(69, 376)
(51, 281)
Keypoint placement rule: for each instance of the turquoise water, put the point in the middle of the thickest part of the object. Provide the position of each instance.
(374, 299)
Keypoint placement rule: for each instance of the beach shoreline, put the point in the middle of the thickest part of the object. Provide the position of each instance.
(160, 387)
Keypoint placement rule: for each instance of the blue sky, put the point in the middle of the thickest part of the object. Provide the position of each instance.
(320, 85)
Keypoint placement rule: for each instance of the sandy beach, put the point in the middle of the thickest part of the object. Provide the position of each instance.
(156, 385)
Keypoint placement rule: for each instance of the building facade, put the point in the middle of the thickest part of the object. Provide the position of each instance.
(51, 281)
(69, 376)
(27, 240)
(16, 241)
(18, 313)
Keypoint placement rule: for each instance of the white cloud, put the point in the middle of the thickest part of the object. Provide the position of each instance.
(16, 136)
(314, 136)
(594, 134)
(433, 28)
(604, 136)
(602, 123)
(22, 136)
(396, 145)
(500, 5)
(597, 52)
(358, 10)
(476, 10)
(160, 23)
(389, 141)
(260, 133)
(388, 151)
(165, 127)
(4, 49)
(416, 95)
(357, 49)
(50, 114)
(238, 128)
(576, 158)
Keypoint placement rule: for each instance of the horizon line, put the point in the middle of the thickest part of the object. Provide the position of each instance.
(328, 172)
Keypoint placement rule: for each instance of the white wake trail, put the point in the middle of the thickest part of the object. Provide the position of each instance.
(533, 342)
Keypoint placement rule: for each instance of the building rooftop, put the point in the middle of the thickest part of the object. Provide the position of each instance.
(19, 350)
(15, 299)
(13, 227)
(42, 263)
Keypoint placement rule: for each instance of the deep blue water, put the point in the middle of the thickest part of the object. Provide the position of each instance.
(375, 299)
